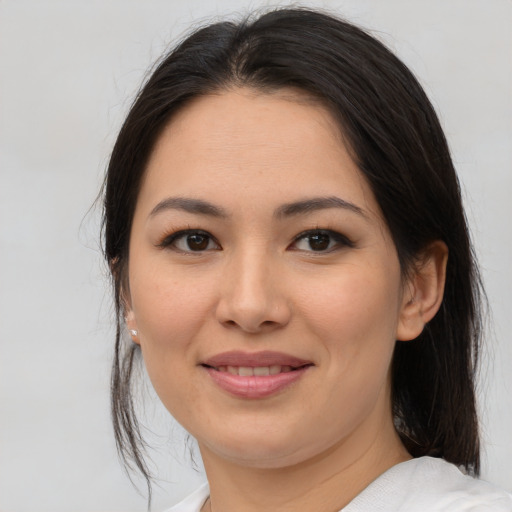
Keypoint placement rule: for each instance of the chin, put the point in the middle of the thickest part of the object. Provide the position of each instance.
(262, 449)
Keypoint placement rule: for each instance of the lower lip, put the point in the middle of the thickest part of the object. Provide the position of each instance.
(255, 386)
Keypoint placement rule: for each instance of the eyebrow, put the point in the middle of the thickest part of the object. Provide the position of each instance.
(189, 205)
(316, 203)
(201, 207)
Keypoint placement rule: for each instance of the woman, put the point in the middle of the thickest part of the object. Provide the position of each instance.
(290, 256)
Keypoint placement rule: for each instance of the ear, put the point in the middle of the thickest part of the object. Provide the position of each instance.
(423, 291)
(129, 315)
(118, 272)
(131, 324)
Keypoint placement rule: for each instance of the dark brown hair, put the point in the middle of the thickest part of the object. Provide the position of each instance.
(397, 142)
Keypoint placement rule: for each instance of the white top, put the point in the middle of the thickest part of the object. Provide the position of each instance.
(418, 485)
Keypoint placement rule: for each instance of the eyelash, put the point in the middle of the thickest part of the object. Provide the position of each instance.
(169, 241)
(339, 240)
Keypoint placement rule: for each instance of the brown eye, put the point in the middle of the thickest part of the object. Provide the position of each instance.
(190, 241)
(323, 240)
(197, 242)
(319, 242)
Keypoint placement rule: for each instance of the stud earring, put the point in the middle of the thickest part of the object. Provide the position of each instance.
(133, 332)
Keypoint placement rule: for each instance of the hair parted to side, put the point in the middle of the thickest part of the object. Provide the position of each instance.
(397, 142)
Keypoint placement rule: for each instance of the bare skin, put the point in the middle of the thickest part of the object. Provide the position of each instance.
(328, 482)
(255, 231)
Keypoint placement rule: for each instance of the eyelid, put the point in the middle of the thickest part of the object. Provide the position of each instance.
(340, 239)
(169, 239)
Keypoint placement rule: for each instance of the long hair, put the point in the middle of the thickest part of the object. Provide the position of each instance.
(395, 138)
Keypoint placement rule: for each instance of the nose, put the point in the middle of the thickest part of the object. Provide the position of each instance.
(252, 295)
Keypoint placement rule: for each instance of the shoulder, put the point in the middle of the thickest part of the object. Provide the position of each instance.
(193, 502)
(430, 484)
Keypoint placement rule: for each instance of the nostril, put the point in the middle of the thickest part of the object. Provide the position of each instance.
(251, 317)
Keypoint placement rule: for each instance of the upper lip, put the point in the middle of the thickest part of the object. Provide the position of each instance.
(255, 359)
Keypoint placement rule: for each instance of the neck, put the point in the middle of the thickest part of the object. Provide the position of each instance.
(328, 481)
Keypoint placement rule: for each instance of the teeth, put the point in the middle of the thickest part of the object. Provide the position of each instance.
(245, 371)
(275, 369)
(262, 370)
(231, 369)
(259, 371)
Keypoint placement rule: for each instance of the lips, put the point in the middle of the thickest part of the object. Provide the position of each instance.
(260, 371)
(257, 359)
(255, 375)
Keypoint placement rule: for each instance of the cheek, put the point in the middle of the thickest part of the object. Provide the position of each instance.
(168, 303)
(169, 313)
(356, 315)
(358, 294)
(355, 322)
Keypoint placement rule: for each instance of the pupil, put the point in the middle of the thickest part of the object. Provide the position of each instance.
(197, 242)
(319, 242)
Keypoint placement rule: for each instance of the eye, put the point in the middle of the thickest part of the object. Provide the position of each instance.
(320, 240)
(190, 240)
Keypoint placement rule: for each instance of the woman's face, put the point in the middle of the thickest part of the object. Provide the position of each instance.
(263, 281)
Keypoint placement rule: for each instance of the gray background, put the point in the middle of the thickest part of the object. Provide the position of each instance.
(68, 71)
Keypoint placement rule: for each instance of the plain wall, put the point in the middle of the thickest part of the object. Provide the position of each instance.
(68, 72)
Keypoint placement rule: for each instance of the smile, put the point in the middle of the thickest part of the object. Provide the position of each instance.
(256, 375)
(260, 371)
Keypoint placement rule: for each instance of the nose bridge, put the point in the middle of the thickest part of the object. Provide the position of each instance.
(252, 284)
(252, 297)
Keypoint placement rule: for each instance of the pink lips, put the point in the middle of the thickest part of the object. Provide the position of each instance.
(223, 369)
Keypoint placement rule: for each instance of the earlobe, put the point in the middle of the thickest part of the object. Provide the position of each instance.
(129, 315)
(423, 293)
(131, 324)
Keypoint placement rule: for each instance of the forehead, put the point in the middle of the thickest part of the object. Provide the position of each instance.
(251, 144)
